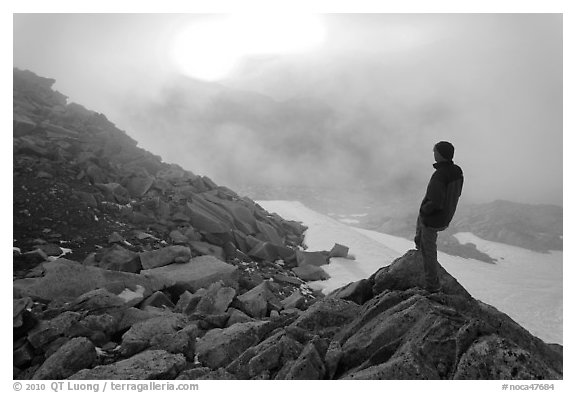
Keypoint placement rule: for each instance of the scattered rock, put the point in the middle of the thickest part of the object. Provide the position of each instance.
(152, 364)
(259, 300)
(157, 299)
(65, 279)
(219, 347)
(311, 273)
(77, 354)
(216, 299)
(198, 273)
(165, 256)
(338, 251)
(305, 258)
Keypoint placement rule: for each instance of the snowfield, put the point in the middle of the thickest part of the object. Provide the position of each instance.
(524, 284)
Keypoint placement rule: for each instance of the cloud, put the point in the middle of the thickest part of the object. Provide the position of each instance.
(365, 108)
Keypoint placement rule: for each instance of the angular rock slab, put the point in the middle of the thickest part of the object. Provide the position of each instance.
(311, 273)
(141, 334)
(65, 279)
(165, 256)
(219, 347)
(75, 355)
(153, 364)
(315, 258)
(216, 299)
(197, 273)
(257, 301)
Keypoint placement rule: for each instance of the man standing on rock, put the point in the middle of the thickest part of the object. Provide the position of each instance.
(437, 209)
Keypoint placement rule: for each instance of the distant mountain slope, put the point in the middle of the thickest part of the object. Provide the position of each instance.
(534, 227)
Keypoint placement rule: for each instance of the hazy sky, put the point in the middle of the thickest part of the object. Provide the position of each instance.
(372, 97)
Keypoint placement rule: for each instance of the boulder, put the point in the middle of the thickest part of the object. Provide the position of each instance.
(338, 251)
(295, 300)
(188, 302)
(408, 272)
(165, 256)
(264, 251)
(114, 192)
(77, 354)
(120, 259)
(495, 355)
(64, 279)
(311, 273)
(137, 186)
(327, 316)
(258, 301)
(142, 334)
(269, 234)
(237, 316)
(203, 220)
(49, 330)
(309, 365)
(197, 273)
(178, 237)
(23, 353)
(316, 258)
(244, 218)
(19, 308)
(204, 248)
(216, 299)
(358, 292)
(219, 347)
(159, 300)
(151, 364)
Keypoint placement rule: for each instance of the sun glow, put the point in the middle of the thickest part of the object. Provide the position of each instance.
(211, 49)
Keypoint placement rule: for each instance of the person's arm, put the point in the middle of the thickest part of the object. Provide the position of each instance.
(434, 199)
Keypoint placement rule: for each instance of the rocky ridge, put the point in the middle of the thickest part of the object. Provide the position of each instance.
(130, 268)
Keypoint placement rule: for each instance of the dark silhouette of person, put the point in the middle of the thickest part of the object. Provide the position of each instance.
(437, 209)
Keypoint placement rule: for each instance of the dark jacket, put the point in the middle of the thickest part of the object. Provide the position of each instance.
(444, 189)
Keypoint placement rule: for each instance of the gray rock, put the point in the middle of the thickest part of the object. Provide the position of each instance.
(269, 234)
(19, 308)
(338, 251)
(64, 279)
(137, 186)
(237, 316)
(219, 347)
(295, 300)
(259, 300)
(309, 365)
(314, 258)
(502, 359)
(157, 299)
(49, 330)
(198, 273)
(327, 316)
(204, 248)
(77, 354)
(311, 273)
(216, 299)
(152, 364)
(120, 259)
(165, 256)
(141, 334)
(359, 291)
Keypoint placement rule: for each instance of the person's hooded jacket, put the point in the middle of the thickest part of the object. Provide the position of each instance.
(442, 194)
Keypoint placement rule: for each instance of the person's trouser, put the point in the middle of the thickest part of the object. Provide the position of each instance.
(425, 240)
